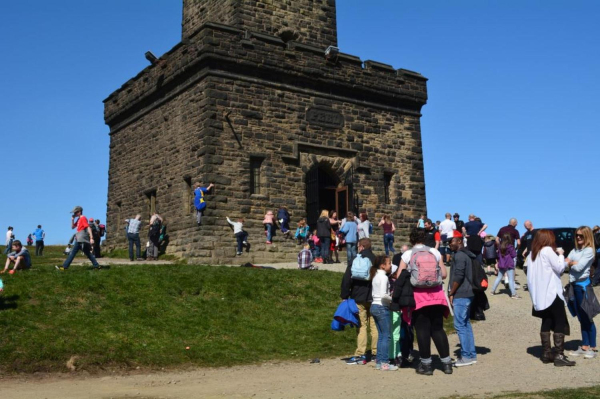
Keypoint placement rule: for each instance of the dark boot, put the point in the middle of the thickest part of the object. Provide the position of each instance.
(447, 367)
(547, 354)
(560, 360)
(425, 369)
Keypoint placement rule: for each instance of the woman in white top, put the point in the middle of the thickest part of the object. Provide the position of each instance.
(545, 265)
(364, 226)
(380, 310)
(580, 262)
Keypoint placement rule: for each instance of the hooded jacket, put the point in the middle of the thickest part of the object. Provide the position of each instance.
(359, 290)
(323, 227)
(345, 314)
(462, 272)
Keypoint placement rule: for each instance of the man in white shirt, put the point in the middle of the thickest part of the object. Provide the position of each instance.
(447, 228)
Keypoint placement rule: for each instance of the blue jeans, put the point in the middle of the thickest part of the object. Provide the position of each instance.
(87, 250)
(462, 325)
(350, 251)
(269, 227)
(388, 243)
(285, 226)
(381, 315)
(588, 328)
(241, 237)
(316, 251)
(325, 243)
(511, 280)
(134, 238)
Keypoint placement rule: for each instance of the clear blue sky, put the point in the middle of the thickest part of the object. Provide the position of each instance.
(511, 128)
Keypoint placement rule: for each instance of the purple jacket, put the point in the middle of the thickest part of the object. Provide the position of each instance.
(507, 261)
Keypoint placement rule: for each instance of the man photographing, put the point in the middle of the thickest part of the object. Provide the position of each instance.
(83, 239)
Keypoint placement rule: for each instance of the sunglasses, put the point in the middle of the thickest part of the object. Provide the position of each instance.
(578, 235)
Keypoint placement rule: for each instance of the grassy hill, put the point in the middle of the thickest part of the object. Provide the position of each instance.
(147, 316)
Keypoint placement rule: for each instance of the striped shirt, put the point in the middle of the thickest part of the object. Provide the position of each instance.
(304, 259)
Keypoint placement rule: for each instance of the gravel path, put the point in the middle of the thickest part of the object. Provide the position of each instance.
(507, 343)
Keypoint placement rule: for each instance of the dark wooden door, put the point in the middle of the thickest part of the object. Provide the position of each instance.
(341, 201)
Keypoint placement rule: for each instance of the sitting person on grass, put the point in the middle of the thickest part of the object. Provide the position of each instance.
(19, 256)
(305, 259)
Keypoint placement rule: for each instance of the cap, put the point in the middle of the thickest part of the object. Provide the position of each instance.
(77, 209)
(91, 219)
(456, 215)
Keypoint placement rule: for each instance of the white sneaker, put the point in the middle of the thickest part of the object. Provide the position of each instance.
(578, 352)
(590, 354)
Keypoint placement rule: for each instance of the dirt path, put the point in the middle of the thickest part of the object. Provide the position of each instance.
(504, 365)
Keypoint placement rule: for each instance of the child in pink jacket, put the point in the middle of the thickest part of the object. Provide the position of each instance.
(269, 222)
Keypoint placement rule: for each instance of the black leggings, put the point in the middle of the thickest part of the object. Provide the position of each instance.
(554, 317)
(429, 324)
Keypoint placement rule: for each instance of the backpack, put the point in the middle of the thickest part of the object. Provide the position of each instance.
(360, 268)
(163, 233)
(424, 269)
(102, 230)
(480, 279)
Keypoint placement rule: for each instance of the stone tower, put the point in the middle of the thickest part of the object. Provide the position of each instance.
(306, 21)
(249, 101)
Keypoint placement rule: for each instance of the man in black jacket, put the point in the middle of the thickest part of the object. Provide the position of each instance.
(461, 297)
(360, 291)
(430, 235)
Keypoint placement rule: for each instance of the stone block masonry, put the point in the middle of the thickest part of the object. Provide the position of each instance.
(271, 123)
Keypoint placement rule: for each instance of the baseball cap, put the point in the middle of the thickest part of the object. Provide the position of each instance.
(456, 215)
(77, 209)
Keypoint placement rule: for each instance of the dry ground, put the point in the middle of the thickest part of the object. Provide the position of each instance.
(508, 346)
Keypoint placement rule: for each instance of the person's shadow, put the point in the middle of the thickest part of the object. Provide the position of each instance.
(480, 350)
(8, 302)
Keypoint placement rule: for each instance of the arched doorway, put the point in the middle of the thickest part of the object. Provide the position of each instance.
(324, 191)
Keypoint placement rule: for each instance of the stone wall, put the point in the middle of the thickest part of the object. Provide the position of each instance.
(211, 104)
(306, 21)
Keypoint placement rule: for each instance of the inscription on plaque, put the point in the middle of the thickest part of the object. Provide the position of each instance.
(325, 117)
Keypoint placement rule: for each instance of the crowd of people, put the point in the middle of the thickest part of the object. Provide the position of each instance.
(406, 292)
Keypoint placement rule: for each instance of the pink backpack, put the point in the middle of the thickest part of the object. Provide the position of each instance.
(424, 269)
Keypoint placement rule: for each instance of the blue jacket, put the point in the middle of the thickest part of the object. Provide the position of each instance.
(199, 202)
(346, 313)
(350, 229)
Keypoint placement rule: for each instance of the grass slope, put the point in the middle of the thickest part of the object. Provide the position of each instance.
(146, 316)
(578, 393)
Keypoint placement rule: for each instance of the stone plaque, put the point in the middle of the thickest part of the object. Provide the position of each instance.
(325, 117)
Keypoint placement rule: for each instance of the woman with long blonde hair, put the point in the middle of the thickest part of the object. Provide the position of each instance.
(324, 234)
(580, 261)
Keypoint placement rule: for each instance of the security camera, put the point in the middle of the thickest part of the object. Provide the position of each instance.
(331, 53)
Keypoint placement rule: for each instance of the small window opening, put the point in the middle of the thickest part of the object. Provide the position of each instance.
(188, 195)
(151, 203)
(387, 182)
(255, 176)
